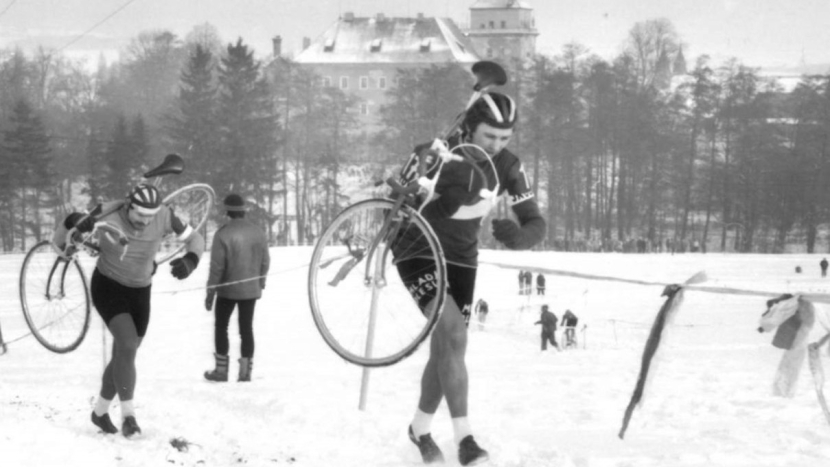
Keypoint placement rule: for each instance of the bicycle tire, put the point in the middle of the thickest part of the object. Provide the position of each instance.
(55, 298)
(343, 312)
(192, 204)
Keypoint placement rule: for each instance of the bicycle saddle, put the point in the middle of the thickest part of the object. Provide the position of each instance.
(173, 164)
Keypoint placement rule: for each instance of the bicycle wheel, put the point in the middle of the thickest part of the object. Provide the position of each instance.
(192, 204)
(55, 298)
(348, 279)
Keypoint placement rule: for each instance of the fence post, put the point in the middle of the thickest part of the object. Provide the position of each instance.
(2, 342)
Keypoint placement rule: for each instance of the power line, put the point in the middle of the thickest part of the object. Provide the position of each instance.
(7, 7)
(81, 36)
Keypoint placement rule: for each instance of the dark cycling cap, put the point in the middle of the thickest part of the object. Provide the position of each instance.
(145, 199)
(495, 109)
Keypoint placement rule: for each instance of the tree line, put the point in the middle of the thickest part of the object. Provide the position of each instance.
(637, 147)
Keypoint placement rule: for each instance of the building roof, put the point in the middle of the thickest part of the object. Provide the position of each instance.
(483, 4)
(390, 40)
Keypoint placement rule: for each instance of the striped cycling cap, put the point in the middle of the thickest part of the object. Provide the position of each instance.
(495, 109)
(145, 199)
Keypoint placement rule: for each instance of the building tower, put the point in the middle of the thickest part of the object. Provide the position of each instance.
(503, 30)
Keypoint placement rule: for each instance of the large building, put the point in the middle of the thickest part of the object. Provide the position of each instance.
(362, 56)
(503, 30)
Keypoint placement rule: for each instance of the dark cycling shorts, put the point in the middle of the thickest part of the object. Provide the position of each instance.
(112, 298)
(418, 275)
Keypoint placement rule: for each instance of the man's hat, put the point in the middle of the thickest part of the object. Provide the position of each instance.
(234, 203)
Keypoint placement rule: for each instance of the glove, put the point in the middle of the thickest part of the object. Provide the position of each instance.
(509, 233)
(211, 294)
(182, 267)
(75, 220)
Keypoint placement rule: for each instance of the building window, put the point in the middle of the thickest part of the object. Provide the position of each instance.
(382, 82)
(329, 45)
(325, 81)
(483, 26)
(364, 109)
(364, 82)
(492, 25)
(375, 45)
(504, 24)
(344, 82)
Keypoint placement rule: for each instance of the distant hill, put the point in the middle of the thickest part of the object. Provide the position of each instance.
(806, 69)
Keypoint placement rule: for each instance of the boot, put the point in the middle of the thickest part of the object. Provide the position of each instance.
(220, 374)
(245, 367)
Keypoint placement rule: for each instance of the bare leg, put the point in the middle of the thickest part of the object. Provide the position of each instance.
(445, 373)
(120, 374)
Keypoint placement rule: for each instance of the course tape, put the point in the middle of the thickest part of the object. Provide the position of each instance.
(815, 297)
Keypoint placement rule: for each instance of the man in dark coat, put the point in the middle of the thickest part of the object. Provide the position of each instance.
(239, 262)
(823, 265)
(548, 322)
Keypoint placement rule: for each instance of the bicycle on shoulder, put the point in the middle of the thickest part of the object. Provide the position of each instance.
(359, 302)
(54, 290)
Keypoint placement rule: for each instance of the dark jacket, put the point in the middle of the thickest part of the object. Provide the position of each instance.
(569, 319)
(239, 251)
(548, 321)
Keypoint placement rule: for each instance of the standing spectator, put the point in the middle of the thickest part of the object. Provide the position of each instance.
(823, 265)
(481, 310)
(521, 282)
(121, 282)
(569, 321)
(528, 283)
(540, 284)
(239, 258)
(548, 322)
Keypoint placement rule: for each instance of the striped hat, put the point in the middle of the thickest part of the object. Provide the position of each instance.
(145, 199)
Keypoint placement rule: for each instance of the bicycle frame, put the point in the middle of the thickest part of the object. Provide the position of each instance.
(487, 75)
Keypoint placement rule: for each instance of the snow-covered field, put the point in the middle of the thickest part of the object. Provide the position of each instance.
(709, 404)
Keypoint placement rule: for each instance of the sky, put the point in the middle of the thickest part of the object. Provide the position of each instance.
(709, 401)
(763, 33)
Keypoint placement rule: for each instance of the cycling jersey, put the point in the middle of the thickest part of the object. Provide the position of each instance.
(457, 210)
(130, 262)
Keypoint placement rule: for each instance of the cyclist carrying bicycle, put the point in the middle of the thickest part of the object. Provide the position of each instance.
(129, 235)
(455, 214)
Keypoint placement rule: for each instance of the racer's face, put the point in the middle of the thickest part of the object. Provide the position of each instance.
(138, 220)
(490, 138)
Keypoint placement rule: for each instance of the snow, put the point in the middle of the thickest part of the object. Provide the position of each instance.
(709, 402)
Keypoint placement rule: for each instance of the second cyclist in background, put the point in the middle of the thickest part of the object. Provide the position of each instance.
(456, 216)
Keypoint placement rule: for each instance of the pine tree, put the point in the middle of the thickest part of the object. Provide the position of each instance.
(192, 127)
(248, 126)
(29, 160)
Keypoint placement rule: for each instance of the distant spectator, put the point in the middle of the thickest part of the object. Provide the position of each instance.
(540, 284)
(521, 282)
(528, 283)
(548, 322)
(481, 310)
(569, 321)
(823, 265)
